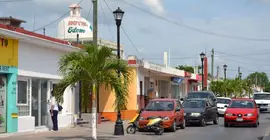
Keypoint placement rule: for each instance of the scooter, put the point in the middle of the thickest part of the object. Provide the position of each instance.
(133, 124)
(155, 125)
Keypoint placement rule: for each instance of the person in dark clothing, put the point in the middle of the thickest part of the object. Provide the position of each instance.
(54, 113)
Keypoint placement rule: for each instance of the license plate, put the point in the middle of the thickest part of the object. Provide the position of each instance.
(239, 119)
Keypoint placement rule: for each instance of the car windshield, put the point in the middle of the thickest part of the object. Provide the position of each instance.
(223, 101)
(198, 95)
(160, 106)
(194, 104)
(241, 104)
(261, 96)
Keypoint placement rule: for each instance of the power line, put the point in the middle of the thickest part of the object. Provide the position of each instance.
(159, 58)
(102, 9)
(131, 42)
(89, 12)
(14, 0)
(193, 28)
(242, 56)
(56, 19)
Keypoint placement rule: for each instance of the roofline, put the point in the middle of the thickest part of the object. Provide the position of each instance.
(12, 18)
(261, 93)
(38, 39)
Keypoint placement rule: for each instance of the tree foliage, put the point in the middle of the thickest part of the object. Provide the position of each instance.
(231, 87)
(185, 68)
(258, 78)
(94, 66)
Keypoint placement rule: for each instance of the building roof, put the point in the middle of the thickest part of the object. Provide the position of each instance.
(12, 19)
(33, 34)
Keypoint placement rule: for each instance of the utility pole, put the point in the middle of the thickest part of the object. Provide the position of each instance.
(239, 71)
(95, 21)
(212, 66)
(217, 72)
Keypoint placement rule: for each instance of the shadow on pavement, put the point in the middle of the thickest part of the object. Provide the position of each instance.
(260, 138)
(82, 138)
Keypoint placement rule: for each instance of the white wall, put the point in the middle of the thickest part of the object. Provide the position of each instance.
(38, 59)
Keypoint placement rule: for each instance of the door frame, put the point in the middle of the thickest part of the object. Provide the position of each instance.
(39, 100)
(5, 103)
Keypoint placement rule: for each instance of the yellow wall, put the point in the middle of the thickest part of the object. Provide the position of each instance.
(9, 53)
(107, 97)
(132, 100)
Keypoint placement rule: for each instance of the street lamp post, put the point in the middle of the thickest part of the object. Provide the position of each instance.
(202, 55)
(225, 69)
(118, 15)
(240, 75)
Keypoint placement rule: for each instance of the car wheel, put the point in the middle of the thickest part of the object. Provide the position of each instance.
(183, 125)
(226, 124)
(216, 120)
(173, 128)
(256, 124)
(203, 122)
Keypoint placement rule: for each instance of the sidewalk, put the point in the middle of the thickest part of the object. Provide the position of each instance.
(83, 132)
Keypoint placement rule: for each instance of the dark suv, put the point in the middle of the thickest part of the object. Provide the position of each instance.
(203, 95)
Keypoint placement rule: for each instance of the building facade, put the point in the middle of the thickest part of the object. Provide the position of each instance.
(28, 74)
(149, 80)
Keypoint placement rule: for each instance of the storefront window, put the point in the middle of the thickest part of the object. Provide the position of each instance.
(23, 96)
(22, 93)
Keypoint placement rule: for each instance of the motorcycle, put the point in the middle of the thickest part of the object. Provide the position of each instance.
(155, 125)
(133, 124)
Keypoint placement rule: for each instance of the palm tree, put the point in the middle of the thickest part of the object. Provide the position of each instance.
(95, 66)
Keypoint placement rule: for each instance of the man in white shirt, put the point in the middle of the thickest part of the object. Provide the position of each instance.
(54, 112)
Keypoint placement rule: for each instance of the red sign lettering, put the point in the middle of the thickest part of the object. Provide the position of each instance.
(77, 23)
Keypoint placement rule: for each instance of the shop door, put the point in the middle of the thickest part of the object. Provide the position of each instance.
(39, 101)
(3, 103)
(174, 91)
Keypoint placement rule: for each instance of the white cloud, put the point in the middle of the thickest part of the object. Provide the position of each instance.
(155, 6)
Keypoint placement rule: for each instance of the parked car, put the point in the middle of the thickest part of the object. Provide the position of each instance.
(169, 109)
(221, 103)
(202, 94)
(262, 99)
(200, 111)
(242, 111)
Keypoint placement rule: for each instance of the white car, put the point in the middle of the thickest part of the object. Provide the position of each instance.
(262, 99)
(221, 103)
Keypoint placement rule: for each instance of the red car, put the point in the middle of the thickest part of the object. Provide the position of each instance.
(169, 109)
(242, 111)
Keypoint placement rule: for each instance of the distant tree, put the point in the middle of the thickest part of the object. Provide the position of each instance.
(185, 68)
(232, 87)
(258, 78)
(267, 87)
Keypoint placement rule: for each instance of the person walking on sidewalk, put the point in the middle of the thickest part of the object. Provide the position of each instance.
(54, 112)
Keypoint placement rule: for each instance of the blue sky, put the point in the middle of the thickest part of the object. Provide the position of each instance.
(152, 36)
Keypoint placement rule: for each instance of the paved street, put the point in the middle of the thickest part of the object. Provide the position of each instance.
(210, 132)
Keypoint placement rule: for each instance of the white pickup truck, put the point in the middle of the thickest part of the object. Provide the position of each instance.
(262, 99)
